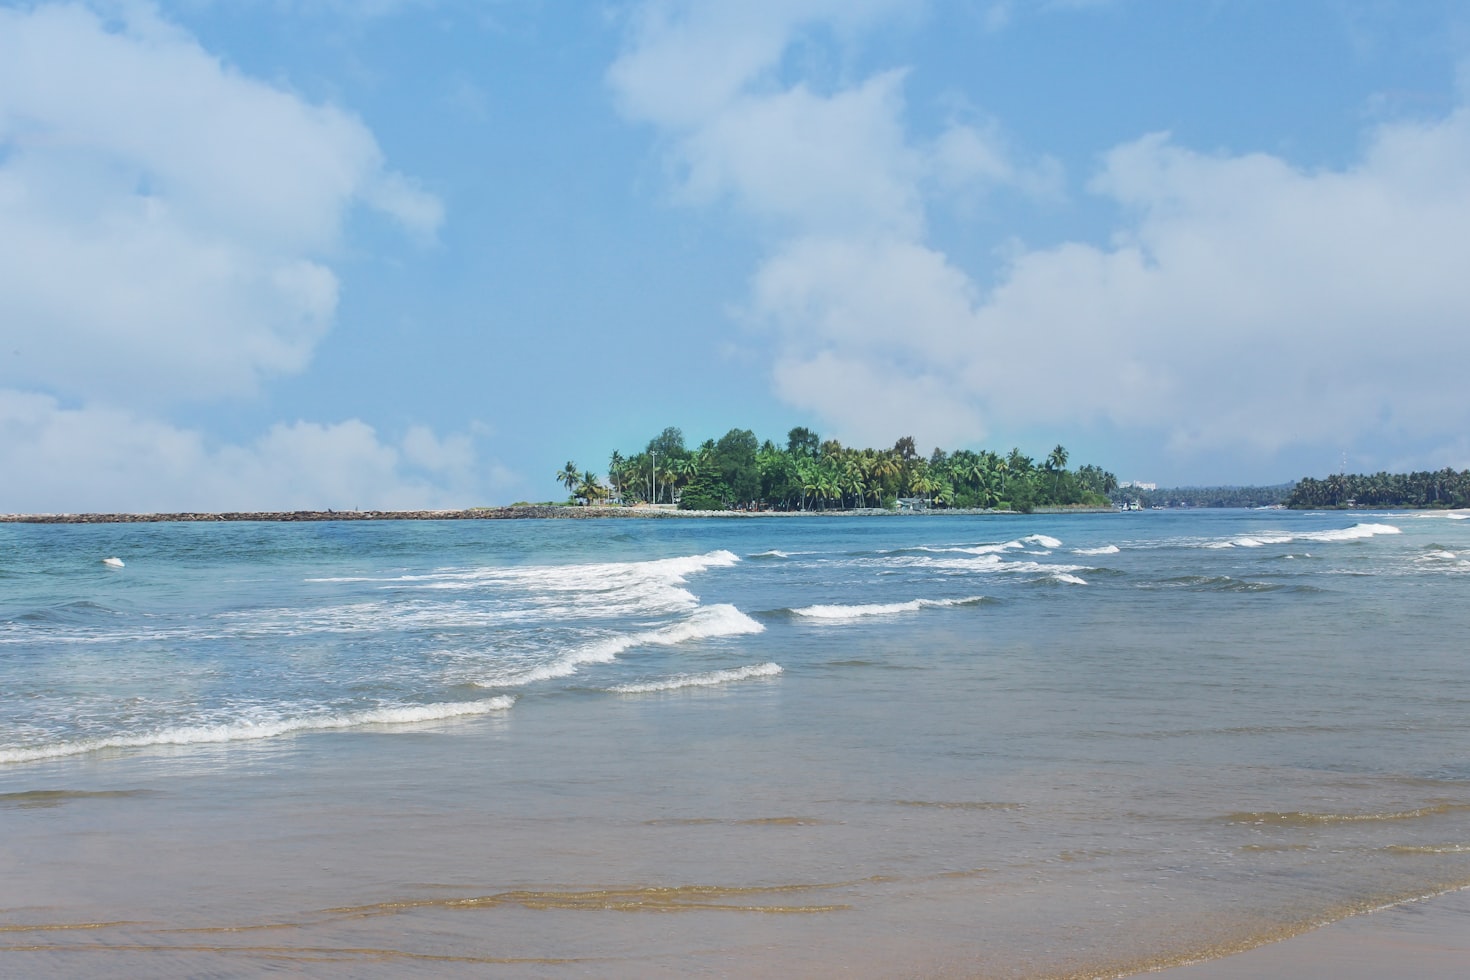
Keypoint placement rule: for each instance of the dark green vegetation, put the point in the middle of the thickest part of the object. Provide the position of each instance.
(1442, 488)
(809, 473)
(1205, 496)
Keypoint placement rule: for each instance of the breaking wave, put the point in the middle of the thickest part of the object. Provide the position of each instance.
(841, 613)
(712, 621)
(243, 731)
(712, 679)
(1357, 532)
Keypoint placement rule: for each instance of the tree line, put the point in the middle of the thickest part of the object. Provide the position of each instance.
(1228, 496)
(1441, 488)
(738, 471)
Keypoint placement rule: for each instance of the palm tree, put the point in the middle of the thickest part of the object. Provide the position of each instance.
(687, 468)
(615, 471)
(1056, 465)
(568, 475)
(590, 488)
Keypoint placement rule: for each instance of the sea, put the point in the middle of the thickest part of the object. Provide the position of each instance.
(1081, 745)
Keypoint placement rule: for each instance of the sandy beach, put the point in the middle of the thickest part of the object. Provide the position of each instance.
(1427, 939)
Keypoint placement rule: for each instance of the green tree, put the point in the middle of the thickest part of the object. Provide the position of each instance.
(802, 441)
(589, 488)
(568, 475)
(734, 460)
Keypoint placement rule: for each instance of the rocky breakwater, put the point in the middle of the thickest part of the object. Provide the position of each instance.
(472, 514)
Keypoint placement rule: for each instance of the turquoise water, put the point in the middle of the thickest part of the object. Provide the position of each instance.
(1050, 745)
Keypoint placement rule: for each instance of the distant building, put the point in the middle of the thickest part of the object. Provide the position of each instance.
(1137, 485)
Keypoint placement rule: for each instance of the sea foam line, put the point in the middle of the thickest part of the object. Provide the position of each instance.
(251, 731)
(557, 577)
(840, 613)
(718, 620)
(1357, 532)
(712, 679)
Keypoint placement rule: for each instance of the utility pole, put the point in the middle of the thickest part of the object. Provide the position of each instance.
(653, 453)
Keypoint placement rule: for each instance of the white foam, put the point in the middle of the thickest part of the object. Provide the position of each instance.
(113, 562)
(711, 679)
(712, 621)
(1107, 549)
(773, 553)
(1355, 533)
(979, 549)
(241, 731)
(648, 583)
(1031, 540)
(839, 613)
(1067, 579)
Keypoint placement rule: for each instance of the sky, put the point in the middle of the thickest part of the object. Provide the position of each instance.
(310, 254)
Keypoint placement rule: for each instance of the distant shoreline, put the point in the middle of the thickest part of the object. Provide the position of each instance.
(489, 514)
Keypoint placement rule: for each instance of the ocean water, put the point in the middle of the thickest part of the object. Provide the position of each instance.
(1080, 745)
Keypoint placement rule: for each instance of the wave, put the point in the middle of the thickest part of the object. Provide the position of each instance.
(773, 553)
(537, 593)
(647, 579)
(712, 679)
(1042, 541)
(78, 612)
(1107, 549)
(841, 613)
(243, 731)
(1308, 819)
(707, 623)
(1067, 579)
(1357, 532)
(1222, 583)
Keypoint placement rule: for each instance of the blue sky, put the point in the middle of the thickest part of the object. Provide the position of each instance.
(419, 253)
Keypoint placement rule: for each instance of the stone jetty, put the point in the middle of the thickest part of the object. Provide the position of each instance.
(531, 511)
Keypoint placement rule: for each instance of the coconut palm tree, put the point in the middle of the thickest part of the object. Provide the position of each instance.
(568, 475)
(615, 471)
(589, 488)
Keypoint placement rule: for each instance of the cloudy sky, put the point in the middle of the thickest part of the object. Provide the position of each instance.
(416, 253)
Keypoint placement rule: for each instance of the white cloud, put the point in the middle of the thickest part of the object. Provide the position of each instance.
(804, 158)
(165, 221)
(1243, 304)
(687, 60)
(166, 231)
(967, 159)
(62, 459)
(872, 404)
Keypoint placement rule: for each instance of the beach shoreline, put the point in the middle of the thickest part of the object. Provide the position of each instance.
(1424, 937)
(532, 512)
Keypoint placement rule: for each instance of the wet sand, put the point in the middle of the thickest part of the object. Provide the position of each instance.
(1429, 939)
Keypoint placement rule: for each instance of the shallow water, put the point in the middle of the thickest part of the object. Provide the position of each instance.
(932, 746)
